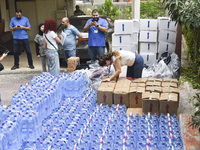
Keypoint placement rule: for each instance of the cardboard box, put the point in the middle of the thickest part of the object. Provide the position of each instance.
(123, 26)
(148, 47)
(72, 62)
(123, 80)
(157, 89)
(153, 79)
(164, 23)
(140, 80)
(170, 90)
(168, 103)
(134, 111)
(148, 36)
(121, 97)
(169, 84)
(149, 58)
(166, 47)
(167, 36)
(170, 80)
(105, 95)
(133, 47)
(148, 24)
(153, 83)
(135, 96)
(135, 84)
(124, 39)
(150, 102)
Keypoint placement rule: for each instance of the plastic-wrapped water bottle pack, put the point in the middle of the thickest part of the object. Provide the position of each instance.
(61, 113)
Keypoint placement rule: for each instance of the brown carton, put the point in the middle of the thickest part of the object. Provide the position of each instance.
(150, 102)
(154, 89)
(168, 103)
(108, 84)
(71, 63)
(140, 80)
(170, 80)
(135, 96)
(134, 111)
(138, 84)
(105, 95)
(155, 83)
(123, 80)
(153, 79)
(121, 97)
(169, 84)
(170, 90)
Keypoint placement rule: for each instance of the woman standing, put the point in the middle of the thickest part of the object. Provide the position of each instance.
(121, 58)
(50, 39)
(40, 50)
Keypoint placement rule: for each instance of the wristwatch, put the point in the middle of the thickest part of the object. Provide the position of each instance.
(97, 26)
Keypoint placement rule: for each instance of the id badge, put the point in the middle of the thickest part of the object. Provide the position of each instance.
(96, 31)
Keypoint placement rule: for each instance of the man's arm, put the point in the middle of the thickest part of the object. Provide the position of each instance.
(79, 40)
(103, 29)
(86, 28)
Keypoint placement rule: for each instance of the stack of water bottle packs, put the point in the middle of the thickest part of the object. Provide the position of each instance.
(61, 113)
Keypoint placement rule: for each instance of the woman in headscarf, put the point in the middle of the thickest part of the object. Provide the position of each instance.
(40, 50)
(121, 58)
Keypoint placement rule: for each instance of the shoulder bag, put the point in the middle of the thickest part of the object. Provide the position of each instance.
(59, 50)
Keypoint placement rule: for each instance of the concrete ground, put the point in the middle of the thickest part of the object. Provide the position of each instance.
(10, 81)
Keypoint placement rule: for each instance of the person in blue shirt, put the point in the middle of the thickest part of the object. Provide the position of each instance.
(20, 25)
(97, 27)
(70, 44)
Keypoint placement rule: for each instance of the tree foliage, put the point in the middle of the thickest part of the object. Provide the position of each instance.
(187, 12)
(108, 9)
(151, 9)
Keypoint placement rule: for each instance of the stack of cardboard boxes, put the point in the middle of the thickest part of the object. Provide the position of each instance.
(125, 36)
(148, 40)
(142, 95)
(166, 35)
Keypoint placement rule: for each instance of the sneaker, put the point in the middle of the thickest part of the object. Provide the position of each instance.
(31, 66)
(14, 67)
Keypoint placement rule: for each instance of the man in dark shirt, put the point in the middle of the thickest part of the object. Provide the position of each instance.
(78, 12)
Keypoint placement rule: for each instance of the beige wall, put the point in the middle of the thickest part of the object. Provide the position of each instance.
(29, 12)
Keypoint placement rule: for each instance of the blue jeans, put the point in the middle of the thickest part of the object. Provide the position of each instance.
(26, 46)
(135, 71)
(69, 53)
(53, 62)
(96, 50)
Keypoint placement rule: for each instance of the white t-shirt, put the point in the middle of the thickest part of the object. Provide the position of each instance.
(51, 35)
(127, 58)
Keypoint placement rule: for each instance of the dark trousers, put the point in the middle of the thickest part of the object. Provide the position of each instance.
(26, 46)
(135, 71)
(1, 68)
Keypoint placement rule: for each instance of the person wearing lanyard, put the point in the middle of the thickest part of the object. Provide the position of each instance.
(97, 27)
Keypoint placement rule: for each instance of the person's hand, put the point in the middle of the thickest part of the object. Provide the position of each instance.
(106, 80)
(38, 56)
(94, 23)
(4, 55)
(77, 44)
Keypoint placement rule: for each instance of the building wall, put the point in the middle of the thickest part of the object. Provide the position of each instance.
(39, 10)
